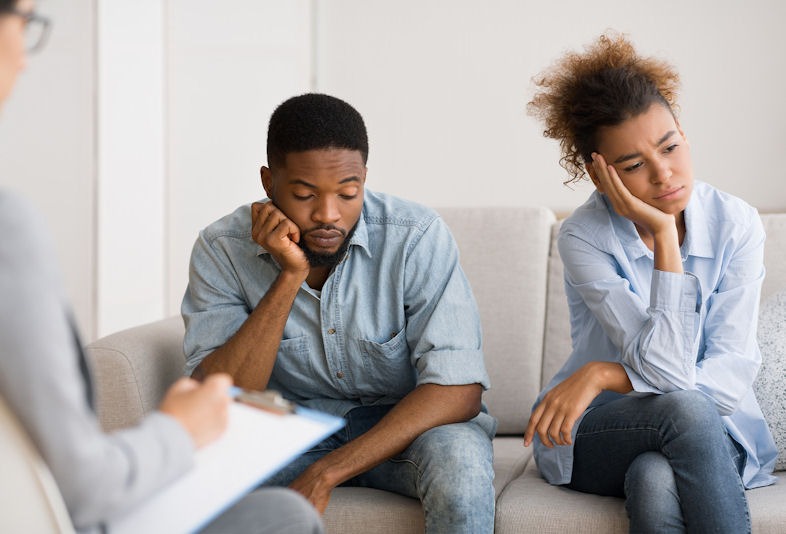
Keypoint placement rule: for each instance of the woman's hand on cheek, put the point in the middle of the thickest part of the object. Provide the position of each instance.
(624, 202)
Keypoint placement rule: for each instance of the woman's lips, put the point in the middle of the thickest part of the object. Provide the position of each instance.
(671, 193)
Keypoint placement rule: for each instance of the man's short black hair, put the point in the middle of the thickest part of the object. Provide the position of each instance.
(313, 122)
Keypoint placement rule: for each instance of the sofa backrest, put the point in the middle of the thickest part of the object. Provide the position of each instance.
(29, 498)
(556, 339)
(504, 253)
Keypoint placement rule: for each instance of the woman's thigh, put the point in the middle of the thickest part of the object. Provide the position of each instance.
(610, 437)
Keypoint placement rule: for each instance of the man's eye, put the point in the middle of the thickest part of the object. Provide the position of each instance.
(302, 197)
(349, 197)
(671, 148)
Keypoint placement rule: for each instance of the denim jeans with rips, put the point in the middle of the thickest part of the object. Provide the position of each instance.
(449, 468)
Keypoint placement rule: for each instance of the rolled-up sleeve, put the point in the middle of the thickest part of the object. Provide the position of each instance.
(213, 307)
(443, 324)
(656, 340)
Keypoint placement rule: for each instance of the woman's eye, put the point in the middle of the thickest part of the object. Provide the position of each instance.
(633, 167)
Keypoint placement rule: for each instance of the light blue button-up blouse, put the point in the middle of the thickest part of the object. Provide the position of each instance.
(670, 331)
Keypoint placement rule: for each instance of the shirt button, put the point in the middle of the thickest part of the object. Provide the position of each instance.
(339, 375)
(331, 331)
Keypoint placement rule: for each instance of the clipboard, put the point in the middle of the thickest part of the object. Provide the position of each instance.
(257, 444)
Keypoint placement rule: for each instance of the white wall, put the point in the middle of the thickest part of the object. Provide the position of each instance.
(144, 121)
(131, 224)
(228, 66)
(47, 147)
(443, 86)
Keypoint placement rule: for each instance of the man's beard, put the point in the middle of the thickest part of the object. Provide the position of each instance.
(315, 259)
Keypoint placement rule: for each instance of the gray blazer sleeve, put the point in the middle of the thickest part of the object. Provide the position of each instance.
(100, 475)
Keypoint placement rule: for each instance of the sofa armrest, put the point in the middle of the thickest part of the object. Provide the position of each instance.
(29, 498)
(133, 368)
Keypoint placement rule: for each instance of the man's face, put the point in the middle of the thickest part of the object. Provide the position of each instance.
(321, 191)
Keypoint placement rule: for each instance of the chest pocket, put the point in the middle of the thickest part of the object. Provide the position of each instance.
(388, 366)
(293, 366)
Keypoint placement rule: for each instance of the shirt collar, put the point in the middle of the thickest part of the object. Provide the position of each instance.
(698, 241)
(697, 233)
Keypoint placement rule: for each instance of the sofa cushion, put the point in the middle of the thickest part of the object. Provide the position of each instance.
(504, 254)
(557, 343)
(530, 504)
(769, 386)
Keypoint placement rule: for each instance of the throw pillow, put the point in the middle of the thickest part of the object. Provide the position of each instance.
(770, 385)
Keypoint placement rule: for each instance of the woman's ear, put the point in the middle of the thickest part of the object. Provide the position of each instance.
(593, 176)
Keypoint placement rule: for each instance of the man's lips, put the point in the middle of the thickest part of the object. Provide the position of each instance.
(325, 238)
(670, 193)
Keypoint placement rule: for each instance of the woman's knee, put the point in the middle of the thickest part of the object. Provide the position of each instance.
(650, 473)
(651, 497)
(691, 410)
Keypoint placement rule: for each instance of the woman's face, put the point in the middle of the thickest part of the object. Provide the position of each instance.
(12, 47)
(652, 158)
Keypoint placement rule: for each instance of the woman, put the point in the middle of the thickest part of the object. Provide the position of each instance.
(45, 381)
(662, 275)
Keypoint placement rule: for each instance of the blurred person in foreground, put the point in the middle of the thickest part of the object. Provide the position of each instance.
(45, 379)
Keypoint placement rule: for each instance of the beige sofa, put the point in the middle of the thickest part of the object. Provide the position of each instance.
(516, 274)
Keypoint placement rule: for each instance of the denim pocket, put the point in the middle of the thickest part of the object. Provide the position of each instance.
(293, 365)
(388, 365)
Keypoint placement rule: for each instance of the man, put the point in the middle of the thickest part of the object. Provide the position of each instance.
(354, 303)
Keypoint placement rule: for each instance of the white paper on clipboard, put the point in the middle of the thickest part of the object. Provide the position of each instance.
(255, 446)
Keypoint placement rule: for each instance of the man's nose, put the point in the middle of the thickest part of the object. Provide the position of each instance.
(326, 212)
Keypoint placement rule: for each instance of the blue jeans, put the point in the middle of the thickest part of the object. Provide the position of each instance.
(268, 511)
(670, 457)
(449, 468)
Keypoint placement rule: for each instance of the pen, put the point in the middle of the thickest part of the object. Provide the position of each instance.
(269, 400)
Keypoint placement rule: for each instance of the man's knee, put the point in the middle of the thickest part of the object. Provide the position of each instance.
(457, 458)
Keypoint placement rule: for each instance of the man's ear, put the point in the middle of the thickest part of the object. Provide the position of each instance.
(267, 180)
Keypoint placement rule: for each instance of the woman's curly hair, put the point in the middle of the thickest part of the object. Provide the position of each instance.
(603, 86)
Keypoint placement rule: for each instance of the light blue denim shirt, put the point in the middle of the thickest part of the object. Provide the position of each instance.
(397, 312)
(670, 331)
